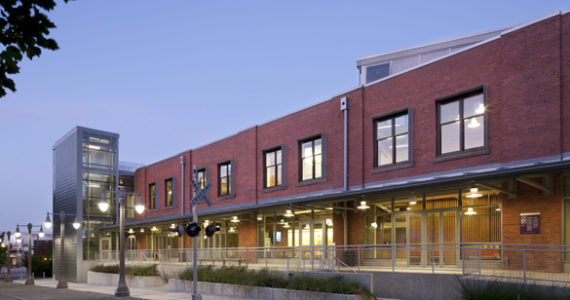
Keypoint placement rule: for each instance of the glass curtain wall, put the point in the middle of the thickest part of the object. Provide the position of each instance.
(422, 229)
(99, 165)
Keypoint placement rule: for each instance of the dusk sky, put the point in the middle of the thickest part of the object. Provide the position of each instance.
(170, 76)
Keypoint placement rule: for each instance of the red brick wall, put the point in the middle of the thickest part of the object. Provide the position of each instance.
(522, 73)
(529, 200)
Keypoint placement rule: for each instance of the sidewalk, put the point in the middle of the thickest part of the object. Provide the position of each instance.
(140, 293)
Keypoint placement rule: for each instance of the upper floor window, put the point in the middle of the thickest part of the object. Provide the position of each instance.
(461, 122)
(392, 139)
(201, 178)
(273, 167)
(311, 158)
(225, 179)
(169, 192)
(152, 196)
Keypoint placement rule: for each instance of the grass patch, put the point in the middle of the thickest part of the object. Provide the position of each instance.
(133, 271)
(265, 278)
(499, 290)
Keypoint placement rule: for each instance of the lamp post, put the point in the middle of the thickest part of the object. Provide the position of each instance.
(122, 288)
(62, 283)
(30, 277)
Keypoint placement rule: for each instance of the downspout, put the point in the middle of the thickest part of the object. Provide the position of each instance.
(344, 107)
(181, 201)
(182, 163)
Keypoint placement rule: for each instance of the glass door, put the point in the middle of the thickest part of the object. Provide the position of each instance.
(105, 248)
(313, 238)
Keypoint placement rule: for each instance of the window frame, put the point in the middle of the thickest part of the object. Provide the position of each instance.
(392, 115)
(205, 171)
(460, 97)
(282, 163)
(323, 159)
(153, 205)
(230, 181)
(173, 195)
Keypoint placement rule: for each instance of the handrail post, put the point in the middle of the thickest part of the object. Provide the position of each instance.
(480, 272)
(393, 254)
(462, 258)
(524, 264)
(358, 257)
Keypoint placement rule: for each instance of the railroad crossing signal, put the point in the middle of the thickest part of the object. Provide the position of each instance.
(200, 194)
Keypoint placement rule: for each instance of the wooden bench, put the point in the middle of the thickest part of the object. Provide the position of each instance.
(223, 260)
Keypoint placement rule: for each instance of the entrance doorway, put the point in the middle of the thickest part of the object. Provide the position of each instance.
(105, 248)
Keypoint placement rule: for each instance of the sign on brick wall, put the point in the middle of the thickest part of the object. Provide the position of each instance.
(530, 223)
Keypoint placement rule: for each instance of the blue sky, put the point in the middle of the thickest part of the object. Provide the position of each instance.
(169, 76)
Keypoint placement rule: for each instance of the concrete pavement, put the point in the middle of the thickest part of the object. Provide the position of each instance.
(45, 290)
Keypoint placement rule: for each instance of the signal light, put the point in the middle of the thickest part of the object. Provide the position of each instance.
(211, 229)
(193, 229)
(178, 229)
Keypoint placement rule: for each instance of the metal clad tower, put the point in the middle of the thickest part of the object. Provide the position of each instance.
(85, 166)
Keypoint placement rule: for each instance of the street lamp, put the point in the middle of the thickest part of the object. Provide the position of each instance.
(8, 277)
(122, 288)
(62, 283)
(30, 278)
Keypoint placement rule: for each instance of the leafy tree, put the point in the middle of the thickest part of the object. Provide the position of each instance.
(24, 30)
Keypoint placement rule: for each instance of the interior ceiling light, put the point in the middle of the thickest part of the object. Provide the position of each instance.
(307, 227)
(470, 211)
(374, 225)
(232, 229)
(131, 231)
(289, 213)
(329, 222)
(413, 200)
(498, 209)
(408, 208)
(474, 193)
(259, 217)
(154, 228)
(234, 219)
(286, 225)
(363, 205)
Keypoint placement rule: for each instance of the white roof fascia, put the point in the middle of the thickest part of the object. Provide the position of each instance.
(373, 59)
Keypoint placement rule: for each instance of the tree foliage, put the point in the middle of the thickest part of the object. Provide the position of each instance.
(24, 30)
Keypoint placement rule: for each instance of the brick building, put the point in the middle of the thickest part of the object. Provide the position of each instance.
(456, 143)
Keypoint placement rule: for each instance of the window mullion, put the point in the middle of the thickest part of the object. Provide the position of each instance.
(461, 127)
(393, 129)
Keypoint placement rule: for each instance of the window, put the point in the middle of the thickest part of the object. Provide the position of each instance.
(311, 158)
(201, 178)
(169, 192)
(225, 179)
(152, 196)
(461, 122)
(376, 72)
(392, 139)
(273, 167)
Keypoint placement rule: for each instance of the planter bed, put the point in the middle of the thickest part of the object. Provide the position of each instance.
(234, 290)
(132, 281)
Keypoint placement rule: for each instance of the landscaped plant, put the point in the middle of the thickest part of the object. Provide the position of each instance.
(265, 278)
(133, 271)
(499, 290)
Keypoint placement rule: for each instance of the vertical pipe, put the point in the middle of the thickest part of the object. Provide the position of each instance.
(344, 108)
(181, 201)
(61, 284)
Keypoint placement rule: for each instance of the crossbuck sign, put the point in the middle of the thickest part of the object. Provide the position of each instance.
(200, 194)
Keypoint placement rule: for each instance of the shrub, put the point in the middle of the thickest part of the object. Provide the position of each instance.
(265, 278)
(491, 290)
(133, 271)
